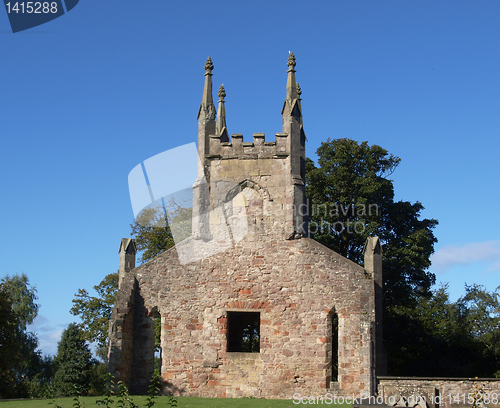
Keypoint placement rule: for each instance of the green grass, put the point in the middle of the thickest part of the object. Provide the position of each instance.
(162, 402)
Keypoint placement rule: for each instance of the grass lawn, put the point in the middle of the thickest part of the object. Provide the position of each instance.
(162, 402)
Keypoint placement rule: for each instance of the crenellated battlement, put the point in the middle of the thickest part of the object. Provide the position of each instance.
(240, 150)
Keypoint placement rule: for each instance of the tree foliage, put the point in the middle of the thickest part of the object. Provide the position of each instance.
(10, 353)
(460, 339)
(95, 311)
(22, 366)
(73, 363)
(351, 198)
(154, 229)
(151, 233)
(22, 298)
(482, 318)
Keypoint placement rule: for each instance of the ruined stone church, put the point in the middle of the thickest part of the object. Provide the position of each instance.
(249, 304)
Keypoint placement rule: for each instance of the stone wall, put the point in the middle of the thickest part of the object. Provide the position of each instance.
(295, 285)
(439, 392)
(243, 374)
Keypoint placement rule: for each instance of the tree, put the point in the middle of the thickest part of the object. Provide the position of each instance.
(482, 319)
(154, 229)
(19, 357)
(151, 233)
(39, 378)
(73, 363)
(347, 192)
(433, 331)
(351, 198)
(22, 298)
(10, 356)
(95, 311)
(460, 338)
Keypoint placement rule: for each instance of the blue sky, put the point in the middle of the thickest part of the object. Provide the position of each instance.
(89, 95)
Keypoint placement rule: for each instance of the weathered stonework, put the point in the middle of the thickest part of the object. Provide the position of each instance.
(255, 190)
(438, 392)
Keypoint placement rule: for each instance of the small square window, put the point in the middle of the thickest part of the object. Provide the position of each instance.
(243, 332)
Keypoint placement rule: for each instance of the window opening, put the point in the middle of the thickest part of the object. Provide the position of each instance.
(335, 346)
(243, 334)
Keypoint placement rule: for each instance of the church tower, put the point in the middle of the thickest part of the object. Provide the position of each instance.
(274, 170)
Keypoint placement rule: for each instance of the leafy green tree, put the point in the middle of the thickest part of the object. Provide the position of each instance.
(22, 298)
(483, 312)
(348, 192)
(433, 331)
(20, 360)
(95, 311)
(352, 198)
(154, 229)
(459, 338)
(482, 318)
(40, 377)
(10, 354)
(98, 379)
(152, 233)
(73, 363)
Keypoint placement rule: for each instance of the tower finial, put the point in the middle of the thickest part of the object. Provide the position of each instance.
(291, 87)
(207, 107)
(222, 93)
(220, 127)
(291, 61)
(209, 66)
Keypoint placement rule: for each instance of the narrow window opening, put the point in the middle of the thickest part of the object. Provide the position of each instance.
(158, 353)
(335, 346)
(243, 334)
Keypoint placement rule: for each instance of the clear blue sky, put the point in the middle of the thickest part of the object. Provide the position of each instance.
(90, 95)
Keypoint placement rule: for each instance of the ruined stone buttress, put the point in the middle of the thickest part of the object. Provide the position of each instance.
(259, 309)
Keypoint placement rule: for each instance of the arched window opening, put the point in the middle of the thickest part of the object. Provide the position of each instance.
(143, 347)
(154, 343)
